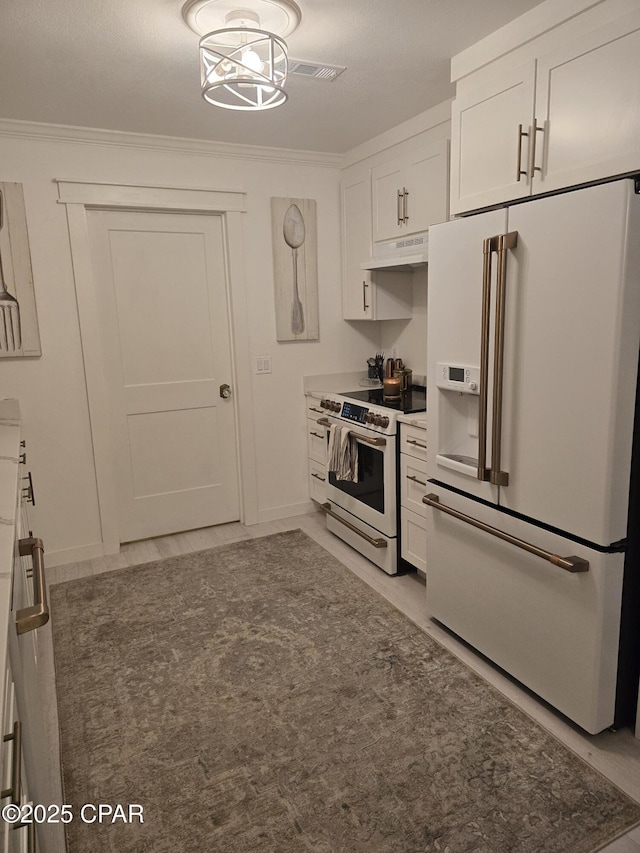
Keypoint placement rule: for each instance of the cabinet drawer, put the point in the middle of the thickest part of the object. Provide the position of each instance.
(313, 409)
(413, 441)
(413, 484)
(317, 482)
(414, 539)
(317, 442)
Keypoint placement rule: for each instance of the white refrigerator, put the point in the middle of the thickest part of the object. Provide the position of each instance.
(533, 342)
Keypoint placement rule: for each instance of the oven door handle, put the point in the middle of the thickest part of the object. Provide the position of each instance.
(375, 442)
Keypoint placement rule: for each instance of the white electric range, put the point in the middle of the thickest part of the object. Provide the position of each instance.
(365, 513)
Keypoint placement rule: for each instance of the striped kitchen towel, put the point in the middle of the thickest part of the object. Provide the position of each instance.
(343, 453)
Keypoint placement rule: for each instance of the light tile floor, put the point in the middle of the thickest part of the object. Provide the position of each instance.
(615, 754)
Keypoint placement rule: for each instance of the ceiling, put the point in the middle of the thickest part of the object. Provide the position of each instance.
(132, 65)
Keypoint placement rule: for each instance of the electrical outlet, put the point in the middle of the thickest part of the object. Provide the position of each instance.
(263, 364)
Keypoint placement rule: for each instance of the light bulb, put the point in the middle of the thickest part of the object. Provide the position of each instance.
(251, 59)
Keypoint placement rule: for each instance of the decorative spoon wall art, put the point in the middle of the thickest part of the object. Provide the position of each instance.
(294, 235)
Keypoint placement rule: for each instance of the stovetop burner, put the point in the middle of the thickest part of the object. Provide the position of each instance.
(411, 401)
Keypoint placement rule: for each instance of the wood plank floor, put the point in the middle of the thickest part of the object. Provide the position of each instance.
(615, 754)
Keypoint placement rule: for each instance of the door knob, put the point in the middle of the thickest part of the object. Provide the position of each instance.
(225, 391)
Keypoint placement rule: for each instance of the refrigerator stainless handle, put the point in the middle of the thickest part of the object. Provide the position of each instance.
(489, 246)
(519, 170)
(377, 543)
(569, 564)
(30, 618)
(505, 242)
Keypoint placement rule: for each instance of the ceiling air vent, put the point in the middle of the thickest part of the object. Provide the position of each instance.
(316, 70)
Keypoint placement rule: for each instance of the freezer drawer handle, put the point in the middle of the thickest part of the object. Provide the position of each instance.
(30, 618)
(377, 543)
(16, 765)
(569, 564)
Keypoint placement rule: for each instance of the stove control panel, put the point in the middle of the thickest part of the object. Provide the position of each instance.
(353, 412)
(358, 414)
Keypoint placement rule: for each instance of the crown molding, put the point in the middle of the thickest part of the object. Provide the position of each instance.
(427, 120)
(119, 139)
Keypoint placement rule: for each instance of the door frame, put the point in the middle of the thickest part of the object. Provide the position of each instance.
(79, 197)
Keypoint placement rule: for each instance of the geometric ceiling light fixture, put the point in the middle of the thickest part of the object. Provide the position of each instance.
(243, 57)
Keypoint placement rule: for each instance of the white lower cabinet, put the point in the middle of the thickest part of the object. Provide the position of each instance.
(316, 450)
(414, 539)
(413, 487)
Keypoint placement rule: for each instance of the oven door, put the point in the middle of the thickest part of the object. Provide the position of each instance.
(373, 498)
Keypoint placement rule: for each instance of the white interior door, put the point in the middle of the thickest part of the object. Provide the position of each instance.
(164, 325)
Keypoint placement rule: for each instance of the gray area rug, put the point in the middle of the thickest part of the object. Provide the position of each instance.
(260, 697)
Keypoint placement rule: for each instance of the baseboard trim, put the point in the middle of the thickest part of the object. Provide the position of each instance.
(278, 512)
(73, 555)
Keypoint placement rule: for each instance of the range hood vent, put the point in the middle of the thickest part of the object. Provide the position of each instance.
(400, 254)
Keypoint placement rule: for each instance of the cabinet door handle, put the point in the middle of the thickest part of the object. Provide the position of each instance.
(569, 564)
(365, 307)
(27, 491)
(16, 765)
(319, 411)
(532, 161)
(416, 480)
(405, 205)
(519, 170)
(399, 208)
(416, 443)
(30, 618)
(317, 434)
(318, 477)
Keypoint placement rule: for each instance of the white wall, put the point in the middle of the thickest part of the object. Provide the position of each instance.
(407, 339)
(52, 388)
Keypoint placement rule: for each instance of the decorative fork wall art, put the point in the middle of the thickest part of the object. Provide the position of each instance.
(295, 268)
(19, 333)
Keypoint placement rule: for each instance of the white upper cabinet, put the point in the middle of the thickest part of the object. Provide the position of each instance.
(367, 295)
(560, 111)
(588, 102)
(356, 245)
(410, 191)
(489, 150)
(390, 195)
